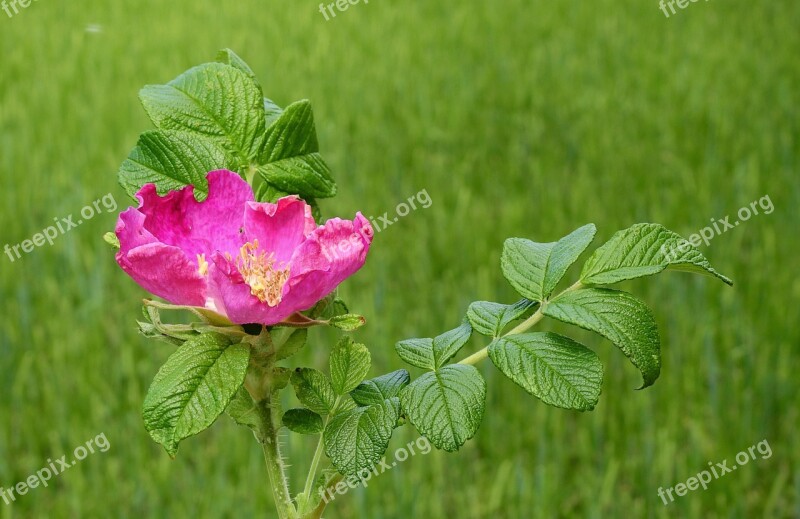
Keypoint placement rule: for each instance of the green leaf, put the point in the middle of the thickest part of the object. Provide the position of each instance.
(349, 363)
(417, 352)
(303, 421)
(289, 159)
(379, 389)
(266, 192)
(272, 110)
(243, 410)
(491, 318)
(620, 318)
(346, 403)
(357, 439)
(434, 353)
(171, 160)
(216, 100)
(643, 250)
(447, 405)
(446, 345)
(292, 344)
(280, 378)
(348, 322)
(111, 239)
(228, 57)
(193, 388)
(552, 367)
(328, 308)
(534, 269)
(314, 390)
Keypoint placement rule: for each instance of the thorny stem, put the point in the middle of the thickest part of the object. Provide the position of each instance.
(524, 326)
(275, 466)
(262, 392)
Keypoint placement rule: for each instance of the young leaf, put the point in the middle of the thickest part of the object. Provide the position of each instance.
(215, 100)
(534, 269)
(554, 368)
(328, 308)
(491, 318)
(280, 378)
(303, 421)
(193, 388)
(289, 159)
(417, 352)
(378, 389)
(620, 318)
(172, 159)
(314, 390)
(446, 405)
(356, 439)
(349, 363)
(449, 343)
(347, 322)
(293, 343)
(642, 250)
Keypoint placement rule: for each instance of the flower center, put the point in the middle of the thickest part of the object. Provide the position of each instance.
(260, 273)
(202, 264)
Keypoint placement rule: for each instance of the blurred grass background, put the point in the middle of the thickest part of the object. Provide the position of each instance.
(519, 118)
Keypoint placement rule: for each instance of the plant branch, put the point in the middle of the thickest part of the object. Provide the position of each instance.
(524, 326)
(312, 473)
(317, 512)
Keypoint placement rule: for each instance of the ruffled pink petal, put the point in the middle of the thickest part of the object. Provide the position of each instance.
(280, 227)
(199, 227)
(330, 254)
(232, 296)
(161, 269)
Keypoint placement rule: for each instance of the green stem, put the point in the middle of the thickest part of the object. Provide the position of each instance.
(523, 327)
(275, 466)
(312, 473)
(259, 384)
(317, 512)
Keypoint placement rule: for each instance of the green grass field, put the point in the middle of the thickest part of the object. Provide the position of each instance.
(519, 119)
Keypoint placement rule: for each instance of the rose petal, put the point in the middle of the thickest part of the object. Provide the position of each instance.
(162, 270)
(280, 227)
(232, 296)
(198, 227)
(330, 254)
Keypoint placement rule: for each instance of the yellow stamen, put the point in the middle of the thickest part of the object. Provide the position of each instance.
(259, 272)
(202, 264)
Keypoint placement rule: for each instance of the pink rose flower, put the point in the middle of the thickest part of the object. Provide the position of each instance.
(252, 262)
